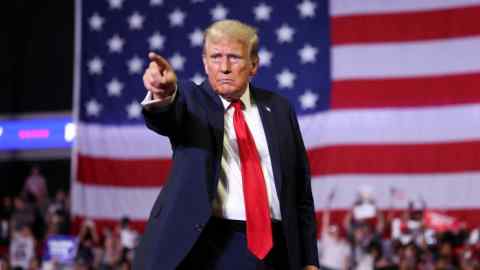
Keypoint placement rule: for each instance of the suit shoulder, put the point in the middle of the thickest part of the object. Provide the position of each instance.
(188, 87)
(271, 97)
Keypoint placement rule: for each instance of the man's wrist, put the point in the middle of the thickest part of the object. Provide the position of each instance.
(169, 94)
(150, 103)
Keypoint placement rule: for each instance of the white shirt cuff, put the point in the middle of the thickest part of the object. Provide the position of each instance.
(151, 104)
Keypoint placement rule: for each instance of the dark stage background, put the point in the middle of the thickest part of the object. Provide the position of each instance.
(36, 65)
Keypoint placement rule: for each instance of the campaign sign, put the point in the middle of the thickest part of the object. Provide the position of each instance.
(61, 248)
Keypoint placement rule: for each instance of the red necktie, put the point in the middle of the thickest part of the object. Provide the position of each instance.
(259, 227)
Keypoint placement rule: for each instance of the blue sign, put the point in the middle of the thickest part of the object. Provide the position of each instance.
(33, 134)
(61, 249)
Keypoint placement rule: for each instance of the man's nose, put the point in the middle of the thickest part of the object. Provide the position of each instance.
(225, 67)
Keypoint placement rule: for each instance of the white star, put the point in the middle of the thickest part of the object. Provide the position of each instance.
(285, 79)
(197, 78)
(177, 61)
(219, 12)
(134, 110)
(96, 22)
(93, 107)
(156, 2)
(265, 57)
(308, 100)
(115, 44)
(156, 41)
(308, 54)
(196, 37)
(114, 87)
(95, 66)
(307, 9)
(135, 21)
(285, 33)
(135, 65)
(177, 17)
(115, 4)
(262, 12)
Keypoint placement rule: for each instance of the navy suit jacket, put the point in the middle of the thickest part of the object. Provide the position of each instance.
(194, 124)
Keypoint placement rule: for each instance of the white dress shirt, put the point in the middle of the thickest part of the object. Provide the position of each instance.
(229, 202)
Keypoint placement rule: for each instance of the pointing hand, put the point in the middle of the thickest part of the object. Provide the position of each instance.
(159, 78)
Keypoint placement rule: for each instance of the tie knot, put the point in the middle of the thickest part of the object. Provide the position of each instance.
(237, 104)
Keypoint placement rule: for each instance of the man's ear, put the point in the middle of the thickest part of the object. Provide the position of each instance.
(255, 64)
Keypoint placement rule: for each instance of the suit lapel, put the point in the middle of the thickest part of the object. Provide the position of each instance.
(216, 119)
(267, 115)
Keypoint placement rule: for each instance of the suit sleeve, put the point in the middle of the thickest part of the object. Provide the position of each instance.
(305, 205)
(167, 121)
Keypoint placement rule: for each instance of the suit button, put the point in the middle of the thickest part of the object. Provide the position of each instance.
(198, 227)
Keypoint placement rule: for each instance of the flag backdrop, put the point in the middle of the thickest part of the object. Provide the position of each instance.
(387, 95)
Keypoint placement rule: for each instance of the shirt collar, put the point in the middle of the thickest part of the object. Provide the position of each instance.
(245, 98)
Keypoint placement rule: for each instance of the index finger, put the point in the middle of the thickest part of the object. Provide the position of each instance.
(158, 60)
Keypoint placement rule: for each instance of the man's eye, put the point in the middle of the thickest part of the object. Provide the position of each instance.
(234, 58)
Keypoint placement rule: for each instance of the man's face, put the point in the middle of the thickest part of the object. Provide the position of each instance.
(229, 67)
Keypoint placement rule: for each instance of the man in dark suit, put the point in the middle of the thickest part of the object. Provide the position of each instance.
(239, 193)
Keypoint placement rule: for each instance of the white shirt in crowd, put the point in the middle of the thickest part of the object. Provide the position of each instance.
(128, 238)
(334, 253)
(22, 250)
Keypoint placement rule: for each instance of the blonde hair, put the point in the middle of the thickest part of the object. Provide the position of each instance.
(235, 30)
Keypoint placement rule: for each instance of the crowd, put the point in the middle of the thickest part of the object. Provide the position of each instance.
(412, 239)
(36, 233)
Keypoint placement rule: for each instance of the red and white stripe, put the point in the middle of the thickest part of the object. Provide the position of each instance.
(405, 115)
(405, 106)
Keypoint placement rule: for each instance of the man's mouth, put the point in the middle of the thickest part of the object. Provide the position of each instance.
(225, 81)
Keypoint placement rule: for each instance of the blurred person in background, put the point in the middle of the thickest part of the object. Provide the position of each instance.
(23, 214)
(128, 238)
(469, 254)
(4, 265)
(365, 228)
(362, 239)
(364, 211)
(409, 227)
(446, 254)
(53, 225)
(27, 213)
(88, 241)
(468, 261)
(34, 264)
(58, 214)
(22, 247)
(333, 249)
(408, 257)
(60, 202)
(36, 186)
(112, 250)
